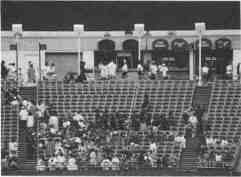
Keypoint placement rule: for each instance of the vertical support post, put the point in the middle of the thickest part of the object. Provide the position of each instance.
(191, 65)
(39, 62)
(17, 68)
(139, 49)
(78, 45)
(200, 61)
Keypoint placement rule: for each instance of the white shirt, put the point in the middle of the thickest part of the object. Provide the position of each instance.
(125, 68)
(23, 114)
(106, 164)
(53, 120)
(115, 163)
(78, 117)
(193, 120)
(164, 70)
(224, 143)
(72, 164)
(153, 146)
(218, 158)
(210, 141)
(112, 69)
(139, 67)
(153, 69)
(229, 69)
(13, 146)
(205, 69)
(30, 121)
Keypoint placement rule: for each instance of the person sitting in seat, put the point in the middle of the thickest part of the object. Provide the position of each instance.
(205, 73)
(71, 165)
(41, 166)
(229, 71)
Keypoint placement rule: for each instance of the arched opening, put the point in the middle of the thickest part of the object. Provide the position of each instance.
(160, 51)
(130, 53)
(180, 52)
(224, 54)
(105, 52)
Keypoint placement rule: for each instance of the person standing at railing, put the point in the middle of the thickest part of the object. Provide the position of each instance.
(124, 69)
(31, 73)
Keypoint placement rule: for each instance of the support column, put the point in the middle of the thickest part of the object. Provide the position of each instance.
(191, 65)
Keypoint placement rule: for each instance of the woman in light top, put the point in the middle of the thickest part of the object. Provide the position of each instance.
(124, 69)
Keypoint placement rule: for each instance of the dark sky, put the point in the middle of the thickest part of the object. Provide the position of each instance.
(120, 15)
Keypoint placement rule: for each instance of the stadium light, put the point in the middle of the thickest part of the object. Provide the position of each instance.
(200, 29)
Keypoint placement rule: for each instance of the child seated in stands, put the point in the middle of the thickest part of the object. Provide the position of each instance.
(40, 165)
(71, 165)
(106, 164)
(52, 163)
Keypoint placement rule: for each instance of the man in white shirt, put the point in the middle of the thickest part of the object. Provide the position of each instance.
(140, 70)
(23, 114)
(124, 69)
(112, 69)
(193, 120)
(30, 120)
(229, 71)
(163, 69)
(153, 70)
(54, 122)
(115, 163)
(153, 146)
(205, 72)
(106, 164)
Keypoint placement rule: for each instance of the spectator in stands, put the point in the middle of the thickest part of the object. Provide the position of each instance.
(51, 71)
(4, 70)
(30, 120)
(229, 71)
(12, 71)
(60, 161)
(52, 163)
(163, 69)
(153, 146)
(71, 165)
(13, 147)
(224, 142)
(115, 163)
(140, 70)
(181, 140)
(153, 71)
(193, 120)
(106, 164)
(13, 162)
(54, 123)
(23, 114)
(124, 69)
(205, 72)
(31, 73)
(103, 71)
(93, 158)
(41, 166)
(112, 69)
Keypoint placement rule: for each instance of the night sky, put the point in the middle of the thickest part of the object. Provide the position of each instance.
(54, 16)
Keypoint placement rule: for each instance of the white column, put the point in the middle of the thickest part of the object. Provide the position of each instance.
(200, 61)
(139, 49)
(191, 65)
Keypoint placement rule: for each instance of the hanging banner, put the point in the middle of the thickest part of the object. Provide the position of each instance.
(88, 58)
(160, 44)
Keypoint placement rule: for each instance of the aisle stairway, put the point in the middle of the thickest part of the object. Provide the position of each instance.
(201, 96)
(189, 157)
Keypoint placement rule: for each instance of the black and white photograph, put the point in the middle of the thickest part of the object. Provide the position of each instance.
(120, 88)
